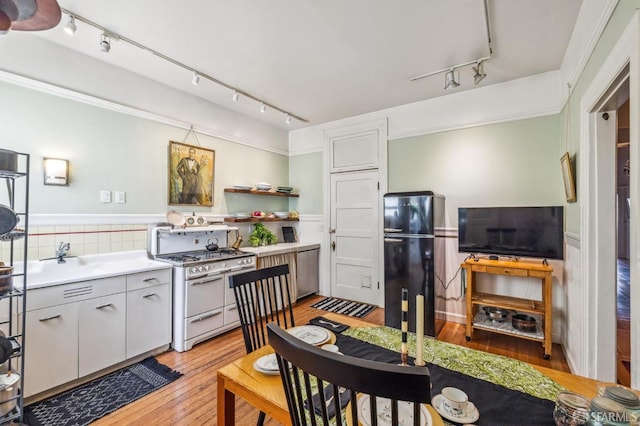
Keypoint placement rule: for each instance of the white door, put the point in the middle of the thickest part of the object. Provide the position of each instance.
(354, 237)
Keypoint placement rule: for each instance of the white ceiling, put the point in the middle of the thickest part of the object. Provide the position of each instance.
(324, 60)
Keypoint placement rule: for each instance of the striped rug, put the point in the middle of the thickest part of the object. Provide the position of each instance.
(345, 307)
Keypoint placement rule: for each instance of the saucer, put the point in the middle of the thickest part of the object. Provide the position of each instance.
(472, 415)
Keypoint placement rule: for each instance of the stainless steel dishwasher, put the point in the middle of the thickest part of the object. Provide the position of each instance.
(308, 280)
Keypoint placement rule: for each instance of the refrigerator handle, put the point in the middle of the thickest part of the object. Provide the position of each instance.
(393, 240)
(332, 230)
(393, 230)
(333, 245)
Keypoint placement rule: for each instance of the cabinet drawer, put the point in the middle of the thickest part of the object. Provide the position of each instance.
(507, 271)
(66, 293)
(204, 295)
(204, 323)
(148, 279)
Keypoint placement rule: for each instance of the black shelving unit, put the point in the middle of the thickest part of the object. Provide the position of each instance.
(17, 186)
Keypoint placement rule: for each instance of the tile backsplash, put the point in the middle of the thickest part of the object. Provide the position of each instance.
(83, 239)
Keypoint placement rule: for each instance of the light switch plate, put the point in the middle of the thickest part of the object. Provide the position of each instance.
(105, 196)
(121, 197)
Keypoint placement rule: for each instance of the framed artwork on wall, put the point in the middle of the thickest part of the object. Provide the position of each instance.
(191, 172)
(567, 175)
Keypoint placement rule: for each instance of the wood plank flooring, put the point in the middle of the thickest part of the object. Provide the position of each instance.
(191, 400)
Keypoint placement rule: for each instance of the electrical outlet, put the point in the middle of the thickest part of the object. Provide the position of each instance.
(105, 196)
(120, 197)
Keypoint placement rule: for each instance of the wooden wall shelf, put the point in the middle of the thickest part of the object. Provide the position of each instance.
(259, 219)
(541, 307)
(256, 192)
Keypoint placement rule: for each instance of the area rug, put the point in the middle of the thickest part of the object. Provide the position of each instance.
(89, 402)
(345, 307)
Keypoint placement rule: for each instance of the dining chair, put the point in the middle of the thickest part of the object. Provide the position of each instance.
(262, 296)
(367, 386)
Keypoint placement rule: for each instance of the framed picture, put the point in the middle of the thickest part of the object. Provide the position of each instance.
(567, 174)
(191, 171)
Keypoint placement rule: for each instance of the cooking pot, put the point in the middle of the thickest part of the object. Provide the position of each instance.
(523, 322)
(8, 392)
(8, 219)
(496, 314)
(212, 246)
(6, 348)
(6, 280)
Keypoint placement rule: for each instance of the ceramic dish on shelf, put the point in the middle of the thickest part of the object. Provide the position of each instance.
(471, 415)
(311, 334)
(263, 186)
(281, 215)
(242, 215)
(245, 187)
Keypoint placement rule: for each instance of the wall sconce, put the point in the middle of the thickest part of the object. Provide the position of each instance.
(56, 171)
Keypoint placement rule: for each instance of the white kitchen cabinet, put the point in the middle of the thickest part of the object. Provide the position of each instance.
(52, 355)
(101, 333)
(148, 319)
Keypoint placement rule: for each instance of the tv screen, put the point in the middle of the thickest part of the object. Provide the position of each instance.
(512, 231)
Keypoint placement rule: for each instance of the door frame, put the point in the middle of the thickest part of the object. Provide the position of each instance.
(381, 127)
(597, 360)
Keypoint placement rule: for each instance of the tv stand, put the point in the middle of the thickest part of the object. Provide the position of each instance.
(542, 307)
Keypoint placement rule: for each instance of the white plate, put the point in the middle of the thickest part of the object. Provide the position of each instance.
(267, 364)
(175, 218)
(241, 187)
(242, 215)
(405, 412)
(310, 334)
(472, 415)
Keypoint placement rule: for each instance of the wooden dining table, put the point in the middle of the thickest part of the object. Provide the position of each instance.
(265, 392)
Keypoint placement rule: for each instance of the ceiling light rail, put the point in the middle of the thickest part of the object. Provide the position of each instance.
(236, 92)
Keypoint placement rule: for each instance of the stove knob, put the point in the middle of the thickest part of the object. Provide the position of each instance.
(200, 269)
(206, 267)
(193, 269)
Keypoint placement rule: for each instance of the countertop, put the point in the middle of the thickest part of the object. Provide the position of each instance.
(45, 273)
(280, 248)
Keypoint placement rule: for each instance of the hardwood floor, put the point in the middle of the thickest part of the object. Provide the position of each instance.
(191, 400)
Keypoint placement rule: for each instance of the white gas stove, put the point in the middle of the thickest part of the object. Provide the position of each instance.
(203, 303)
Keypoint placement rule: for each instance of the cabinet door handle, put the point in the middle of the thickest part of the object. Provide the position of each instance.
(50, 318)
(206, 317)
(150, 295)
(104, 306)
(146, 280)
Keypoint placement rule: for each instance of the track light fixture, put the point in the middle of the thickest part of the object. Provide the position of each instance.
(450, 79)
(105, 46)
(478, 72)
(288, 119)
(71, 28)
(105, 43)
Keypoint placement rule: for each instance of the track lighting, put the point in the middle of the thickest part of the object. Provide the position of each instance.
(478, 72)
(105, 44)
(450, 79)
(288, 119)
(71, 28)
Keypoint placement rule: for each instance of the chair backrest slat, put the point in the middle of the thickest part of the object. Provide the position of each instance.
(262, 296)
(319, 384)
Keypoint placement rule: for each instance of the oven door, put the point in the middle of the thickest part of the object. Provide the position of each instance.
(231, 315)
(204, 294)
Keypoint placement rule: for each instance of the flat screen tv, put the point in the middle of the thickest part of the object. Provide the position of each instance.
(512, 231)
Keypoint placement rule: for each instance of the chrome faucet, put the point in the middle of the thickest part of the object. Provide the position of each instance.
(61, 251)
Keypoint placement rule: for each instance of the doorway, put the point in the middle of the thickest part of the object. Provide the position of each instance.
(623, 208)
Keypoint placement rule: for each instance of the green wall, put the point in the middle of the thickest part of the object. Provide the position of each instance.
(509, 164)
(305, 174)
(113, 151)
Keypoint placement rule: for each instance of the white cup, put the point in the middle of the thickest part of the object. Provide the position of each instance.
(455, 402)
(330, 348)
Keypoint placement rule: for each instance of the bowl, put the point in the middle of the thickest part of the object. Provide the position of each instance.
(242, 215)
(263, 186)
(496, 314)
(523, 322)
(282, 215)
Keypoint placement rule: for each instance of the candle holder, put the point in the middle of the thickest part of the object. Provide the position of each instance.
(419, 364)
(403, 360)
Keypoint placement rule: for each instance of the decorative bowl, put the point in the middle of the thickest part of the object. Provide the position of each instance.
(282, 215)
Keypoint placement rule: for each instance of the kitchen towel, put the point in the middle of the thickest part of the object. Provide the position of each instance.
(336, 327)
(89, 402)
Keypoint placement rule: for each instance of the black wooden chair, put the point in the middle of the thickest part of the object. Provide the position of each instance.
(305, 369)
(262, 296)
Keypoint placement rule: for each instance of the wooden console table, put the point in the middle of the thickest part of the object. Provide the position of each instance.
(541, 307)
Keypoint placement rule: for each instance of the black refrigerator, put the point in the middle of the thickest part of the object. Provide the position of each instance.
(414, 257)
